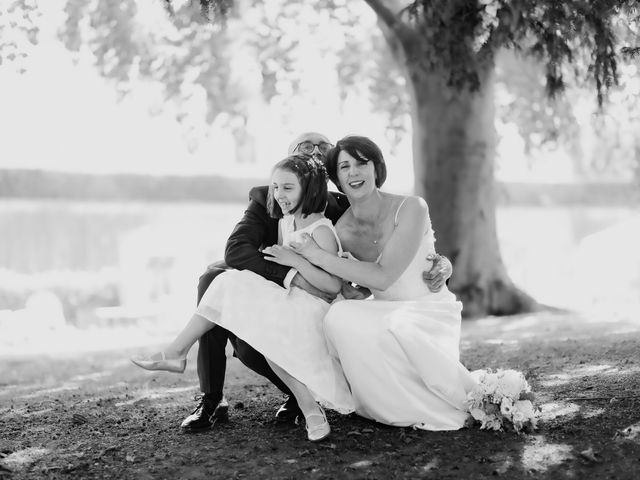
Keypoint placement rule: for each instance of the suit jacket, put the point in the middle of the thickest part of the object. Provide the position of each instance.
(257, 230)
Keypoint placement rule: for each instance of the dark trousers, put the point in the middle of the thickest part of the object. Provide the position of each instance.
(212, 359)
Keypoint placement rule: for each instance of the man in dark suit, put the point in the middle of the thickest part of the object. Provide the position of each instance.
(255, 231)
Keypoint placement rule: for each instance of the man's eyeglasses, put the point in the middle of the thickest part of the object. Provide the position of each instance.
(308, 147)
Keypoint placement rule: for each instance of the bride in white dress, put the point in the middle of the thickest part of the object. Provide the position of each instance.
(399, 351)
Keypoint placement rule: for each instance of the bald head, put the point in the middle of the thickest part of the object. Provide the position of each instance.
(313, 137)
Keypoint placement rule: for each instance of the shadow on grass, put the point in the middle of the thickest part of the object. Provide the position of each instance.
(97, 416)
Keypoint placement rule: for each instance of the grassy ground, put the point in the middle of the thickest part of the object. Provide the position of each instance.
(94, 415)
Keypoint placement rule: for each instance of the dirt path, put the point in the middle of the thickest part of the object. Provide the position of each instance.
(96, 416)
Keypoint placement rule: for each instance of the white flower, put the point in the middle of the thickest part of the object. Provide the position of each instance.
(518, 417)
(511, 383)
(478, 375)
(478, 414)
(475, 398)
(523, 412)
(525, 407)
(489, 384)
(492, 422)
(506, 407)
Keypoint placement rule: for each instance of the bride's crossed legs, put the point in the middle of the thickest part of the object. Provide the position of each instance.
(174, 359)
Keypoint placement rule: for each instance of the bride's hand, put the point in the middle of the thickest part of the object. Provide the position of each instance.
(308, 248)
(282, 255)
(441, 270)
(351, 292)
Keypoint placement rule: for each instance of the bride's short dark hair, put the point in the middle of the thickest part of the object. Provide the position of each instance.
(312, 176)
(361, 148)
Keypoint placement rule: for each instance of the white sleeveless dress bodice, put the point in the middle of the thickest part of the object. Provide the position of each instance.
(410, 285)
(290, 234)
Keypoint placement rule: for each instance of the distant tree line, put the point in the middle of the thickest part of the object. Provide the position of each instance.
(61, 185)
(41, 184)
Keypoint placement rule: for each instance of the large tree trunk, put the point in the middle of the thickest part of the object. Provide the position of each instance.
(454, 147)
(453, 156)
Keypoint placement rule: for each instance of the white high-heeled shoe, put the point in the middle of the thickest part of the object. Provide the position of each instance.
(176, 365)
(318, 432)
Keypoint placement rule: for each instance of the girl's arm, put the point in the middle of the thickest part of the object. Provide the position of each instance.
(326, 241)
(396, 256)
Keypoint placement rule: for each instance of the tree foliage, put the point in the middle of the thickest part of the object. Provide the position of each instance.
(541, 121)
(18, 31)
(367, 64)
(545, 122)
(190, 58)
(574, 42)
(187, 56)
(464, 36)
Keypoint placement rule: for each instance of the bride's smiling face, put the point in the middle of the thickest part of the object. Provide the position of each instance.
(356, 176)
(286, 189)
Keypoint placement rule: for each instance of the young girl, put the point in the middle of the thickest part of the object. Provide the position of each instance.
(284, 325)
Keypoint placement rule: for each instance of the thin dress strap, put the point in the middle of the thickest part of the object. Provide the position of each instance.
(395, 220)
(395, 223)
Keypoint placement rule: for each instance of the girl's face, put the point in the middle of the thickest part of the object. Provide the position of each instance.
(356, 177)
(286, 189)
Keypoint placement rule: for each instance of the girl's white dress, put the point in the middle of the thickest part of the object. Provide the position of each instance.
(400, 351)
(285, 325)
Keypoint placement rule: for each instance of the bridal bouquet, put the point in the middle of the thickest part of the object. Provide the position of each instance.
(501, 396)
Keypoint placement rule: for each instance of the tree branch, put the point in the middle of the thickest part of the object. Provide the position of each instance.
(392, 19)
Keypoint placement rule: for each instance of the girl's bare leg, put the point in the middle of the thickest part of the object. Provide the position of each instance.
(313, 413)
(174, 357)
(192, 331)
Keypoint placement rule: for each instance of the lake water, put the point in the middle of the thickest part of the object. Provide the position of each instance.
(146, 252)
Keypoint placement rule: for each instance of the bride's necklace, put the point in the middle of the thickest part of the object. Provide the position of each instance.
(373, 236)
(369, 234)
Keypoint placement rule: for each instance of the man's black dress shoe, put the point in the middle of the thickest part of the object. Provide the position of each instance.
(289, 411)
(206, 414)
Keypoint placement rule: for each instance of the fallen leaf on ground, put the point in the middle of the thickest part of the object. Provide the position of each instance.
(432, 465)
(629, 433)
(503, 467)
(361, 464)
(590, 455)
(325, 445)
(78, 419)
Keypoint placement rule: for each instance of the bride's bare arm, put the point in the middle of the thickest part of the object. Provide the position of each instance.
(396, 255)
(316, 276)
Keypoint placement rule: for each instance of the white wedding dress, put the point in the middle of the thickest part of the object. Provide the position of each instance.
(400, 351)
(285, 325)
